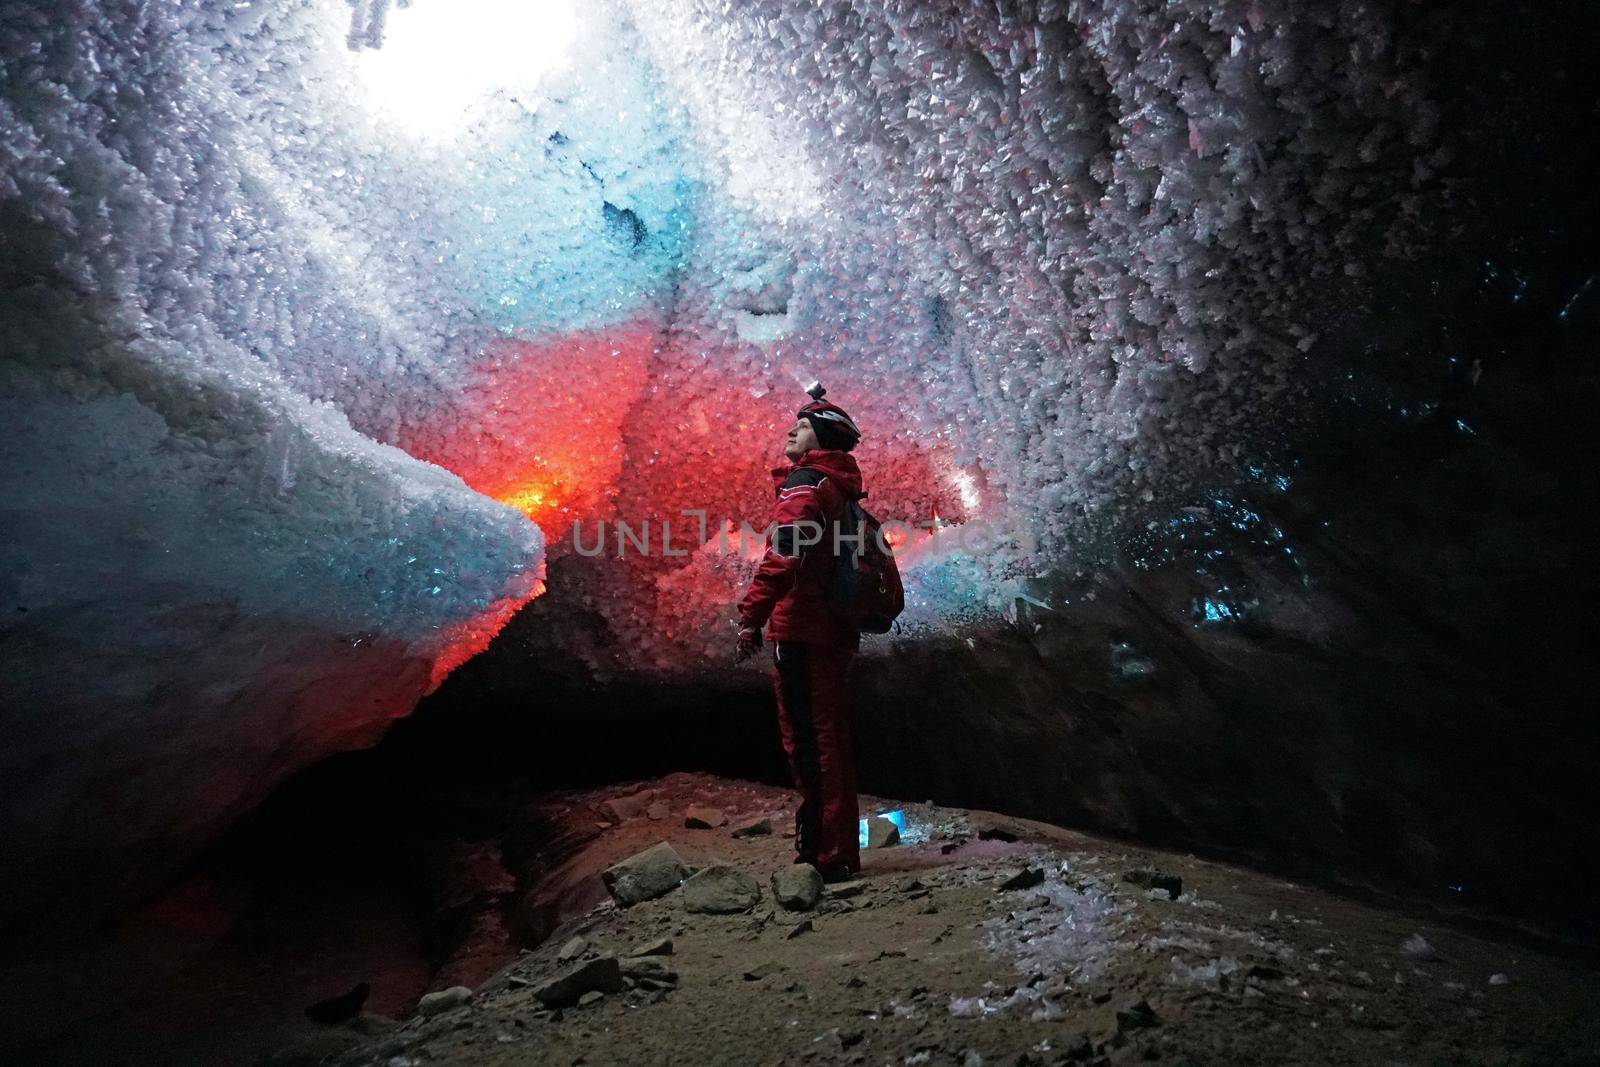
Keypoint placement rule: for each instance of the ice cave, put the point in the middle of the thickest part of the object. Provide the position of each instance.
(394, 397)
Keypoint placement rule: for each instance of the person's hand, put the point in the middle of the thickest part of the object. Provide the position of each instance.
(749, 643)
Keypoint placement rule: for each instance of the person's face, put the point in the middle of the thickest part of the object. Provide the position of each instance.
(801, 439)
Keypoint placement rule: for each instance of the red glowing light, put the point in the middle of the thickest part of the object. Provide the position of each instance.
(540, 426)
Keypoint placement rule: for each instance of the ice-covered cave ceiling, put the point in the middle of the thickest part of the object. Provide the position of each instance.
(325, 321)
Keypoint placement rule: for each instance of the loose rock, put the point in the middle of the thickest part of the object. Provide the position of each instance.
(621, 809)
(1155, 880)
(661, 946)
(572, 949)
(646, 875)
(721, 890)
(1026, 878)
(444, 1000)
(657, 968)
(759, 828)
(704, 818)
(996, 832)
(797, 888)
(1418, 948)
(881, 832)
(603, 974)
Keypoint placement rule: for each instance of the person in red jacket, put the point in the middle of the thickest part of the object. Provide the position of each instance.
(812, 649)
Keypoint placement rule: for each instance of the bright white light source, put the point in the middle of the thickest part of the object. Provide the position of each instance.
(442, 59)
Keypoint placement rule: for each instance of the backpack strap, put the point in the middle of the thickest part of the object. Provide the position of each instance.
(802, 478)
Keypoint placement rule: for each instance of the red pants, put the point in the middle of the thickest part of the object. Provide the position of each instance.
(812, 721)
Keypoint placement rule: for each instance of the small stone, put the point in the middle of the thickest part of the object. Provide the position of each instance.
(655, 872)
(603, 974)
(699, 817)
(572, 949)
(661, 946)
(1262, 971)
(930, 908)
(1147, 879)
(759, 828)
(591, 997)
(1026, 878)
(996, 832)
(655, 969)
(908, 883)
(756, 974)
(444, 1000)
(1499, 979)
(882, 832)
(1417, 947)
(621, 809)
(804, 927)
(846, 890)
(657, 810)
(797, 887)
(721, 890)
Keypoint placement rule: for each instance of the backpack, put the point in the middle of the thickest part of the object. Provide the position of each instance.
(864, 590)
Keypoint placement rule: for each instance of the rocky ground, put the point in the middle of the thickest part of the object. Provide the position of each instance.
(974, 940)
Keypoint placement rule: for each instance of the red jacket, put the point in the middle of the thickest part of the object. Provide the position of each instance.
(787, 594)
